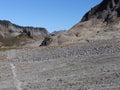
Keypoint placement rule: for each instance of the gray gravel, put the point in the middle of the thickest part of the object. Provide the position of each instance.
(46, 53)
(75, 67)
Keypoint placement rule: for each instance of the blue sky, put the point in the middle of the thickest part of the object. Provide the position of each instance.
(51, 14)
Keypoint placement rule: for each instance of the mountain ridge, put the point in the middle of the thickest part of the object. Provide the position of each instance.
(106, 10)
(22, 34)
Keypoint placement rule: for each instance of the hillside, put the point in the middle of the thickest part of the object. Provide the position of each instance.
(12, 34)
(102, 22)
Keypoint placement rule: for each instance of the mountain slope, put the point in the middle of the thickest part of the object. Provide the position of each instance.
(108, 11)
(102, 22)
(12, 34)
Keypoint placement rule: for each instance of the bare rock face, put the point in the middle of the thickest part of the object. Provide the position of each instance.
(108, 11)
(11, 34)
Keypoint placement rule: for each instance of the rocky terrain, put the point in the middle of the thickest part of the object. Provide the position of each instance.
(86, 57)
(15, 35)
(102, 22)
(94, 66)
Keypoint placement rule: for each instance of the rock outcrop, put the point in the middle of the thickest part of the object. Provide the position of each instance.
(108, 11)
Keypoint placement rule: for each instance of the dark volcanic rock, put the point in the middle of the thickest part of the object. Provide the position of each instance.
(108, 11)
(46, 41)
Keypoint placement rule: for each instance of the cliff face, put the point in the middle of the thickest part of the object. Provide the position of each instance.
(14, 33)
(108, 11)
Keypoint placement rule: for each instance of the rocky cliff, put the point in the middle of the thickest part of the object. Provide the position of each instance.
(108, 11)
(14, 34)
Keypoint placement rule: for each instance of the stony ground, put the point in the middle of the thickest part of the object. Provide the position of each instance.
(74, 67)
